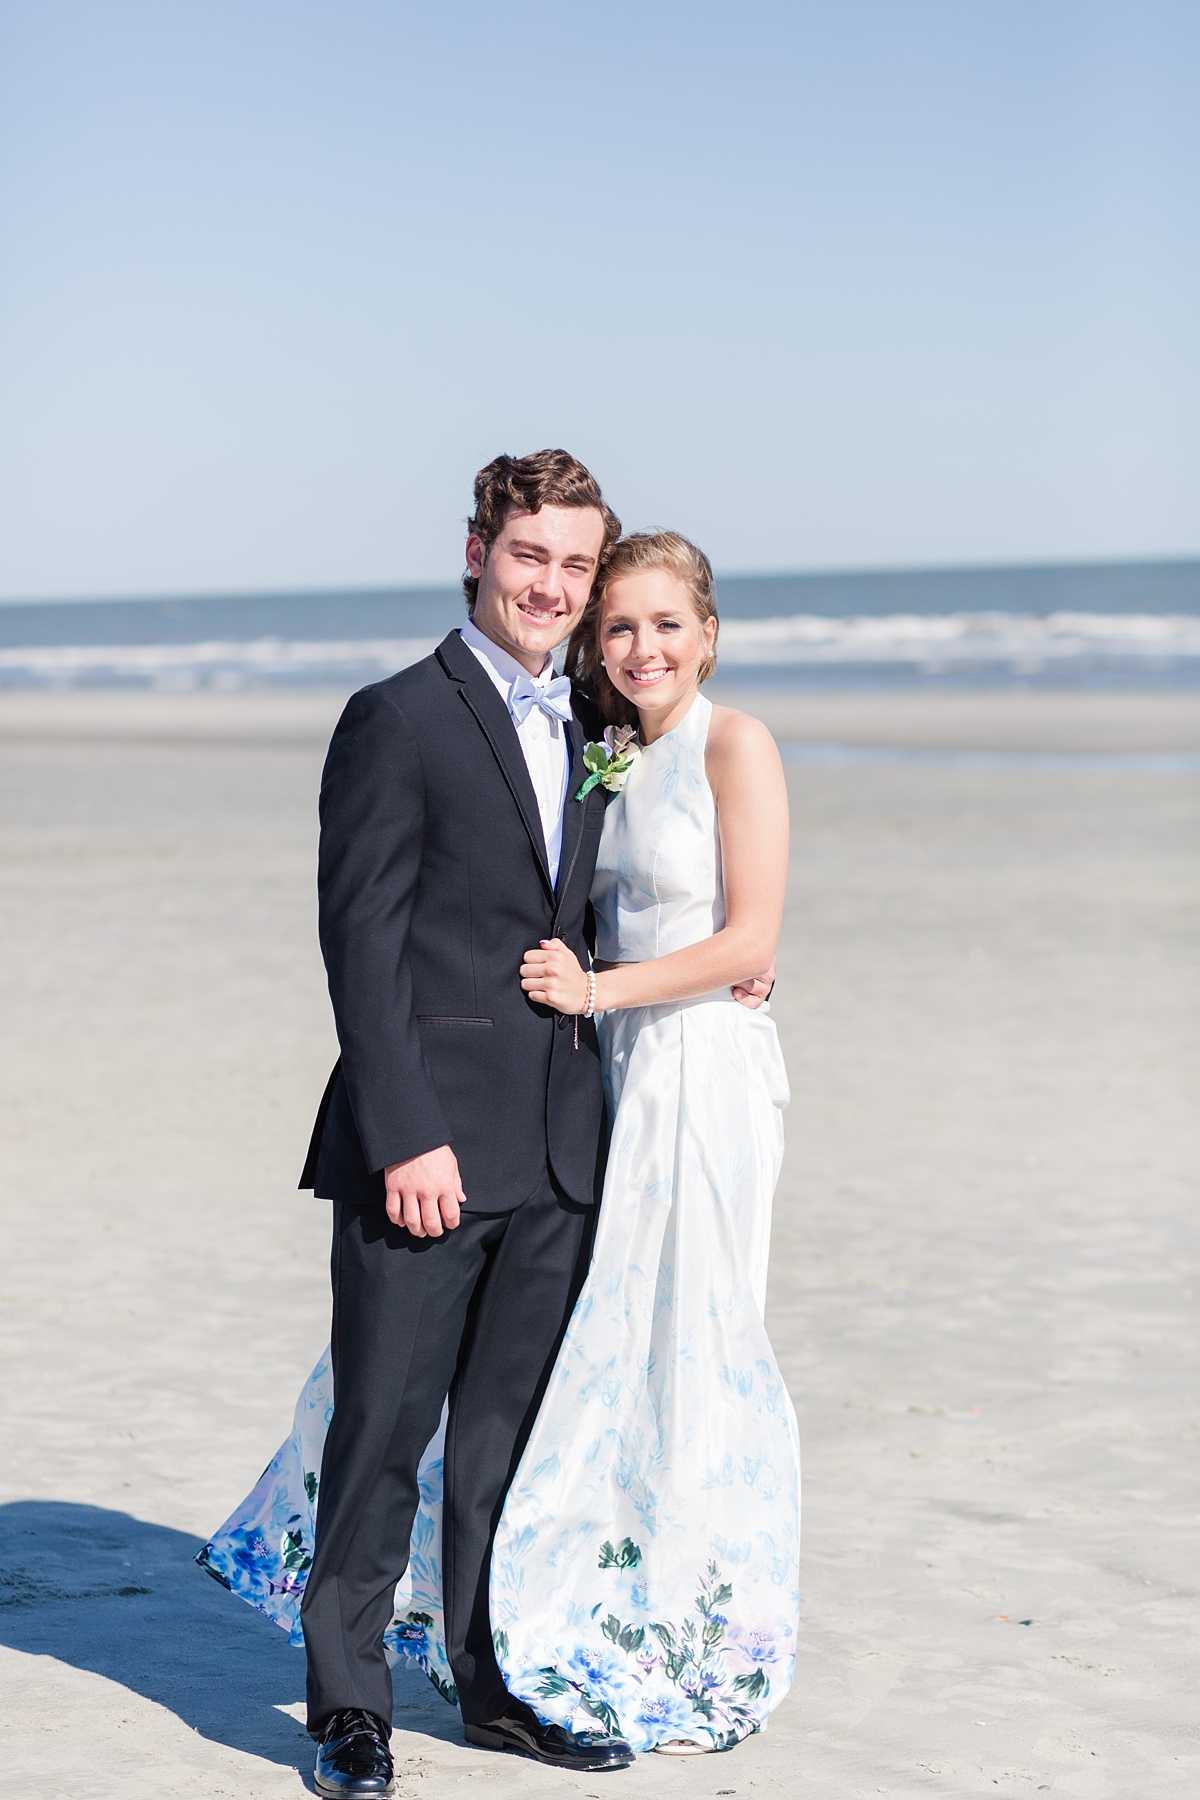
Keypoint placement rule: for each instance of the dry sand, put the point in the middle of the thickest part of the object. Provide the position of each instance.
(984, 1281)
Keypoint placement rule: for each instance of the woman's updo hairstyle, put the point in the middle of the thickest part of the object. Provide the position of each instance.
(637, 554)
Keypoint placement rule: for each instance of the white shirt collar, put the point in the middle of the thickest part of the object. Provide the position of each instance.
(503, 668)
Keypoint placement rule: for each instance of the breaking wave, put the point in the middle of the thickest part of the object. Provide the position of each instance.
(960, 637)
(1012, 644)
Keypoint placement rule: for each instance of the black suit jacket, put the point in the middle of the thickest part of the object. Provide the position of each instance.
(433, 881)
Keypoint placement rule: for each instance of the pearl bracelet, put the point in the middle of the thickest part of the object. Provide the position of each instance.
(590, 1008)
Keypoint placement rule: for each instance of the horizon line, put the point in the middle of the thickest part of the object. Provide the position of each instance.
(400, 589)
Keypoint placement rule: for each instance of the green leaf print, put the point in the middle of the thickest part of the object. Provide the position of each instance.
(295, 1558)
(553, 1684)
(499, 1638)
(713, 1593)
(446, 1689)
(605, 1714)
(728, 1740)
(626, 1637)
(627, 1555)
(310, 1484)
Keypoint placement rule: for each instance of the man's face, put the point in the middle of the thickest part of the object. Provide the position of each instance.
(536, 579)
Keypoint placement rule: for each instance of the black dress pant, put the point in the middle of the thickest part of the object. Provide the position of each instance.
(478, 1314)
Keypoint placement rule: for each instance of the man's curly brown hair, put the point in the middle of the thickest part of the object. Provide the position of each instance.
(526, 484)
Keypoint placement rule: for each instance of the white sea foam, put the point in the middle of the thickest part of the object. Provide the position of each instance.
(960, 638)
(1019, 642)
(226, 664)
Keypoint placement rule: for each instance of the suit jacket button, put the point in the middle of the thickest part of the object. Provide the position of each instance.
(562, 1019)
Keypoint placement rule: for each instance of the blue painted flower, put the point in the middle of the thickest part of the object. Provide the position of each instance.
(244, 1556)
(605, 1671)
(758, 1646)
(665, 1715)
(409, 1638)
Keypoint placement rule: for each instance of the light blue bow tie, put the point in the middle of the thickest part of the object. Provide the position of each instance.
(554, 699)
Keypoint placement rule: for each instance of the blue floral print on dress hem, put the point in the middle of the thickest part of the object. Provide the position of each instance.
(263, 1551)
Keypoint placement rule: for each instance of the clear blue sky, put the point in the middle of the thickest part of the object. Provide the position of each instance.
(824, 285)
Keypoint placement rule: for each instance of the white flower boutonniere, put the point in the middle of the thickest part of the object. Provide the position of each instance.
(610, 763)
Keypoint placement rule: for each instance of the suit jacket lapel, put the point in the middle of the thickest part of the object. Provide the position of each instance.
(496, 724)
(574, 813)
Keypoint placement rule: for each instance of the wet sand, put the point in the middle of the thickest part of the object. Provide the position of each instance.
(984, 1285)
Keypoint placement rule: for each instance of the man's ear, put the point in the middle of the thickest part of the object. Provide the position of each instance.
(476, 554)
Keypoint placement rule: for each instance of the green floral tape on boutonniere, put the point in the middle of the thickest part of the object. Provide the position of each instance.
(610, 763)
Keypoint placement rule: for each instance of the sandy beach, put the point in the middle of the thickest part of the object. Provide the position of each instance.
(985, 1280)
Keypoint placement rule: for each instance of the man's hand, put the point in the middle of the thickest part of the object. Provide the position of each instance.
(425, 1193)
(752, 993)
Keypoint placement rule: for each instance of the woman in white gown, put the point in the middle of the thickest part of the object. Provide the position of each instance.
(645, 1568)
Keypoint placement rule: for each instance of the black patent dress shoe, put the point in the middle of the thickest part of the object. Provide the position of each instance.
(519, 1730)
(353, 1759)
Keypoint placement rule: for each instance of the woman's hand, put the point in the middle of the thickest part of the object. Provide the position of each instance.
(755, 989)
(551, 975)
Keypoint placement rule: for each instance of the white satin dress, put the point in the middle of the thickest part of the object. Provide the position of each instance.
(645, 1569)
(646, 1565)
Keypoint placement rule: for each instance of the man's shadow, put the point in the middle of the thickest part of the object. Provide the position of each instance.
(108, 1593)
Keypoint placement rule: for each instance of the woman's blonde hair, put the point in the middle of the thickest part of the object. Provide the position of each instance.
(637, 554)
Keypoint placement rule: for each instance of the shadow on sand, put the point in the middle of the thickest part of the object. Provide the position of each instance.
(102, 1591)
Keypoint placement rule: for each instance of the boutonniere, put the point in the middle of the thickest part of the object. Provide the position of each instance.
(610, 763)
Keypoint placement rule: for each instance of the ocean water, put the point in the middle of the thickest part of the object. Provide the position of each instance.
(814, 754)
(1117, 624)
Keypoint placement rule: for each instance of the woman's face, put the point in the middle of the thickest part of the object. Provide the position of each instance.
(652, 641)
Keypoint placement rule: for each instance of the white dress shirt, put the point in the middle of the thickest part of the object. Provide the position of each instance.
(543, 740)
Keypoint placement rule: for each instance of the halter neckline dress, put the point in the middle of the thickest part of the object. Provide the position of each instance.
(645, 1570)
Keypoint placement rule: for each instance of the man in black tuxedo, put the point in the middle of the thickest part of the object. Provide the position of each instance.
(461, 1137)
